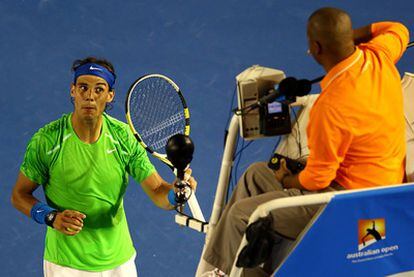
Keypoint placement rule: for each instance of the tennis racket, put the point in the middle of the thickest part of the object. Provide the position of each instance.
(156, 110)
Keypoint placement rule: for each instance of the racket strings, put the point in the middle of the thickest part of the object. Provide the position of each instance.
(164, 124)
(157, 112)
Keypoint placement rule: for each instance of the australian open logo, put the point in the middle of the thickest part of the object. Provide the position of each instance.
(370, 231)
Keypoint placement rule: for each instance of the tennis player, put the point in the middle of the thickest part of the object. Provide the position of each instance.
(83, 160)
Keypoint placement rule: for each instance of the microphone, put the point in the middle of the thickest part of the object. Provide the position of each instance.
(304, 87)
(180, 149)
(290, 87)
(287, 87)
(271, 96)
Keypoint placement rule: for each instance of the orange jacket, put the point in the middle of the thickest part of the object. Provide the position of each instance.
(356, 130)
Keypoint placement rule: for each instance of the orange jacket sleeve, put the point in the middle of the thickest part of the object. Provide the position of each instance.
(391, 37)
(329, 138)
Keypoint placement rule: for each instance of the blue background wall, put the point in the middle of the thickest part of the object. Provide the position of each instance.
(202, 45)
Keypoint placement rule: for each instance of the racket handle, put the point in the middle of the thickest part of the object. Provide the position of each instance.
(195, 207)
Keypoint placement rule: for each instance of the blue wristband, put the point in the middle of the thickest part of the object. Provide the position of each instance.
(171, 197)
(39, 212)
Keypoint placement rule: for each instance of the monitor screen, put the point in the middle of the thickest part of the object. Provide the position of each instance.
(274, 107)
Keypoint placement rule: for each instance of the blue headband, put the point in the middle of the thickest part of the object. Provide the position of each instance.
(96, 70)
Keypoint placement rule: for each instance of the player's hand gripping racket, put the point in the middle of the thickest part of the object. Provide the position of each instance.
(156, 110)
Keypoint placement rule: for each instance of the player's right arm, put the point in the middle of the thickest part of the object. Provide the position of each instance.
(68, 222)
(22, 196)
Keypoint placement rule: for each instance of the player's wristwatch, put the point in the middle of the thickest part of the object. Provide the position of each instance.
(50, 218)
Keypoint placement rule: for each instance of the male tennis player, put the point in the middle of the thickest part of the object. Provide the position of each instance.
(356, 132)
(83, 160)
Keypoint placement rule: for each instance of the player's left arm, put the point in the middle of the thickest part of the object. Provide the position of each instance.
(157, 189)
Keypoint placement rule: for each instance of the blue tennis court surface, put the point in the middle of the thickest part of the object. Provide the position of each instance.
(202, 45)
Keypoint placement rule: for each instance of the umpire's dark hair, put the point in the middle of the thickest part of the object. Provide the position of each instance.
(103, 62)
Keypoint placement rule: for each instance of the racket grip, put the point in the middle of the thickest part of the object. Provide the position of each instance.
(195, 207)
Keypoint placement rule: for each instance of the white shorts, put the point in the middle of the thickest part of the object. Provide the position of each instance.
(126, 269)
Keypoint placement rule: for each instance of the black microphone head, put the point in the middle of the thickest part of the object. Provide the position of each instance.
(288, 86)
(304, 87)
(180, 149)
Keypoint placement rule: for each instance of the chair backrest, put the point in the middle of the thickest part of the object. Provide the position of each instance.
(359, 233)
